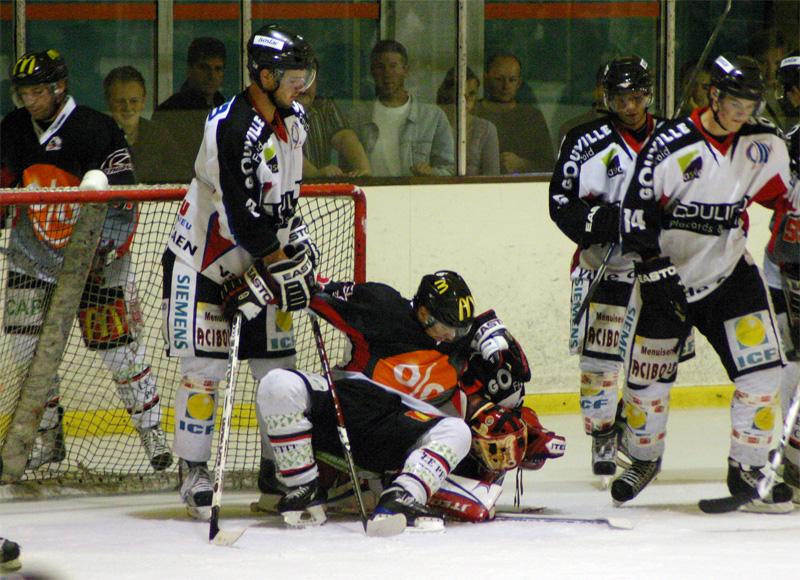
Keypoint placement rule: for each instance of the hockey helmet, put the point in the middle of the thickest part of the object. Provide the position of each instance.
(499, 437)
(738, 76)
(35, 68)
(448, 300)
(279, 50)
(789, 72)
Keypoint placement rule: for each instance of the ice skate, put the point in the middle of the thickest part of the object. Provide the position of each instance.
(634, 479)
(48, 447)
(271, 489)
(304, 505)
(604, 452)
(743, 479)
(9, 555)
(791, 477)
(155, 445)
(196, 489)
(398, 511)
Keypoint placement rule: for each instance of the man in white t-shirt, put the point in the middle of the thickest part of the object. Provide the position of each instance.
(401, 135)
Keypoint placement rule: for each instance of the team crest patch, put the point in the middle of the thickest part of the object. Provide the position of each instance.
(691, 165)
(613, 166)
(54, 144)
(758, 152)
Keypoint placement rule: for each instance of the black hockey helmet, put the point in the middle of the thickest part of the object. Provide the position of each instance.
(738, 76)
(278, 50)
(626, 74)
(448, 300)
(36, 68)
(789, 71)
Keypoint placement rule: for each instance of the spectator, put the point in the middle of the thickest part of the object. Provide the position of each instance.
(126, 95)
(788, 92)
(525, 144)
(183, 114)
(401, 135)
(329, 133)
(597, 110)
(697, 93)
(483, 148)
(768, 47)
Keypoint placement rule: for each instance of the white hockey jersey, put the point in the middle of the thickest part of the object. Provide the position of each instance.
(591, 170)
(245, 190)
(689, 194)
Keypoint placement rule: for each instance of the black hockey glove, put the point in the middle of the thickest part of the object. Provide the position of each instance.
(661, 289)
(601, 226)
(301, 241)
(491, 340)
(293, 282)
(249, 293)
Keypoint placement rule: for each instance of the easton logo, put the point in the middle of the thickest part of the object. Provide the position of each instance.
(758, 152)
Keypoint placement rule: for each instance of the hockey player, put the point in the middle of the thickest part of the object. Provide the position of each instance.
(586, 189)
(684, 219)
(236, 218)
(9, 555)
(48, 141)
(406, 360)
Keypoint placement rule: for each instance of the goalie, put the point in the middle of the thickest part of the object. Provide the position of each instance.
(399, 392)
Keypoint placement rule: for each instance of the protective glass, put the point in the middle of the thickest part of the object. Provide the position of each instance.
(444, 329)
(616, 102)
(299, 79)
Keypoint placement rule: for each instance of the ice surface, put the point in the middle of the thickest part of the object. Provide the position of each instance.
(149, 536)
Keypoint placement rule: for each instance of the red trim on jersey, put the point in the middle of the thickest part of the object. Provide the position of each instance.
(772, 192)
(629, 137)
(360, 352)
(723, 146)
(216, 245)
(279, 128)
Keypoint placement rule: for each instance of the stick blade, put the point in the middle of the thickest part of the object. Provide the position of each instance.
(386, 526)
(226, 537)
(723, 505)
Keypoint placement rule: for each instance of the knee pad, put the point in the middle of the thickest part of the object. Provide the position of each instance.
(195, 410)
(753, 415)
(135, 383)
(259, 367)
(598, 399)
(645, 412)
(283, 391)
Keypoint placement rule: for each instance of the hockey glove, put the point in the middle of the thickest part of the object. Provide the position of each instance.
(301, 241)
(661, 289)
(601, 226)
(249, 293)
(542, 444)
(491, 340)
(293, 282)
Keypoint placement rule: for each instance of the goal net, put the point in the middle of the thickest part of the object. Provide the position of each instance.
(46, 325)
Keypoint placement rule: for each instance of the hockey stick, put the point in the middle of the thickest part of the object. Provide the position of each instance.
(732, 503)
(215, 535)
(340, 426)
(613, 523)
(601, 271)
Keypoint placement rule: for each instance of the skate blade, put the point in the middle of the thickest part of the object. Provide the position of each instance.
(758, 506)
(267, 503)
(200, 513)
(424, 525)
(605, 481)
(310, 517)
(383, 525)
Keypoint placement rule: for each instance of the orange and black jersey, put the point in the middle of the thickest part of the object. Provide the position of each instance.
(388, 344)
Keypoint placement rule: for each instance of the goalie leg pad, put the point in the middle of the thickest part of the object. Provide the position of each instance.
(282, 403)
(195, 409)
(598, 394)
(645, 412)
(466, 499)
(136, 385)
(753, 416)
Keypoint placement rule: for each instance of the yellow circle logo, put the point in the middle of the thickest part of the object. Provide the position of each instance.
(200, 406)
(764, 419)
(750, 331)
(635, 417)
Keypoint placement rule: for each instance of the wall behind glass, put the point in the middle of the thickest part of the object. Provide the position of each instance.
(6, 55)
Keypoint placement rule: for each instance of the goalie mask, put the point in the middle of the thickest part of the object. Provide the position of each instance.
(627, 75)
(449, 303)
(278, 50)
(499, 437)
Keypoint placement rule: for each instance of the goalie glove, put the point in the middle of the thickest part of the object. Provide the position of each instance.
(661, 289)
(301, 241)
(542, 444)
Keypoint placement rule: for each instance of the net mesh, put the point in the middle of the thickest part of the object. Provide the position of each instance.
(103, 446)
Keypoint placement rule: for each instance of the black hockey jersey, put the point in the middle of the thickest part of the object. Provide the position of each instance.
(688, 197)
(79, 139)
(591, 170)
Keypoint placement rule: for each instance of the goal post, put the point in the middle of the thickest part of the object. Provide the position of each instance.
(103, 450)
